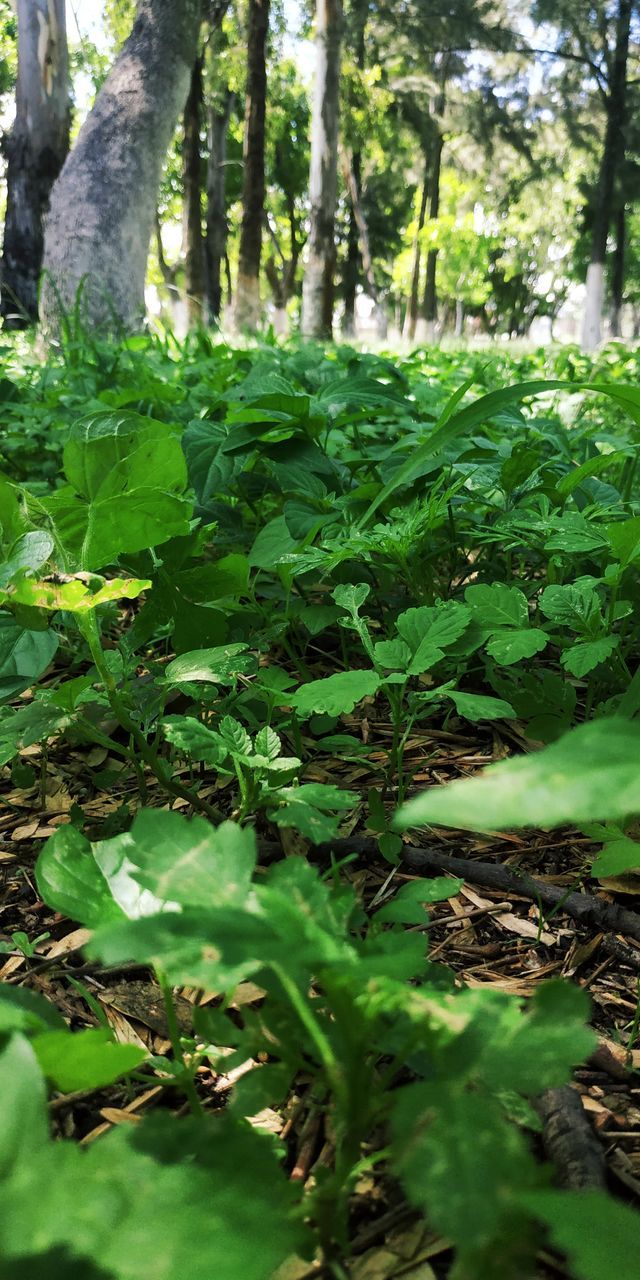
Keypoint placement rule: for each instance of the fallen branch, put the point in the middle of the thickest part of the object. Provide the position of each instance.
(569, 1141)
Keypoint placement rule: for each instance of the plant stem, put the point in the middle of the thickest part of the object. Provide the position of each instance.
(174, 1035)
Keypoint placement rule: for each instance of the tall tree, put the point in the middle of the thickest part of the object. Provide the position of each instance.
(36, 149)
(613, 152)
(317, 289)
(103, 205)
(192, 167)
(247, 307)
(217, 228)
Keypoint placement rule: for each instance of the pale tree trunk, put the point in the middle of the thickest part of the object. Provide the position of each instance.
(247, 308)
(613, 152)
(459, 322)
(617, 278)
(192, 237)
(317, 286)
(35, 149)
(102, 208)
(411, 317)
(217, 229)
(352, 263)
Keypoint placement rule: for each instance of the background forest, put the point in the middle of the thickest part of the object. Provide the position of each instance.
(486, 155)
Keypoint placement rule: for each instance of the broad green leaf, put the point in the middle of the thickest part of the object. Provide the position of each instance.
(93, 535)
(592, 467)
(30, 551)
(582, 658)
(323, 796)
(108, 453)
(599, 1235)
(461, 1163)
(23, 1119)
(24, 1010)
(496, 605)
(272, 543)
(590, 773)
(436, 626)
(508, 647)
(210, 666)
(268, 743)
(213, 948)
(572, 604)
(79, 594)
(191, 862)
(193, 739)
(312, 823)
(170, 1198)
(208, 582)
(334, 695)
(624, 539)
(70, 881)
(85, 1059)
(351, 597)
(479, 706)
(24, 656)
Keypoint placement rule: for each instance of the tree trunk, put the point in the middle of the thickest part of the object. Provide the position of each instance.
(317, 287)
(429, 312)
(612, 156)
(193, 240)
(247, 310)
(364, 245)
(36, 149)
(352, 264)
(102, 207)
(217, 228)
(411, 316)
(459, 321)
(617, 278)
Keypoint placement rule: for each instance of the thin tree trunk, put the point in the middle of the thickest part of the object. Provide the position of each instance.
(429, 312)
(617, 279)
(103, 205)
(35, 149)
(352, 264)
(193, 240)
(217, 227)
(411, 316)
(459, 321)
(364, 243)
(247, 310)
(317, 288)
(612, 156)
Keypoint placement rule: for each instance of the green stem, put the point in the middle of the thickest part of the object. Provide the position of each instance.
(174, 1035)
(89, 628)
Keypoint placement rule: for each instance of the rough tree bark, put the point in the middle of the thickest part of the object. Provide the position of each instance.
(612, 156)
(425, 328)
(247, 306)
(192, 237)
(352, 263)
(102, 207)
(217, 228)
(35, 149)
(317, 287)
(411, 317)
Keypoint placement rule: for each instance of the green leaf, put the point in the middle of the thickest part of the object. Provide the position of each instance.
(80, 594)
(268, 744)
(169, 1198)
(108, 453)
(193, 739)
(84, 1059)
(624, 539)
(479, 706)
(508, 647)
(462, 1164)
(334, 695)
(272, 542)
(600, 1236)
(24, 656)
(70, 881)
(590, 773)
(30, 551)
(496, 605)
(407, 905)
(581, 658)
(572, 604)
(436, 627)
(210, 666)
(23, 1118)
(191, 862)
(351, 597)
(24, 1010)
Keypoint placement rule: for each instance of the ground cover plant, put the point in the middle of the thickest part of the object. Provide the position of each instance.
(255, 605)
